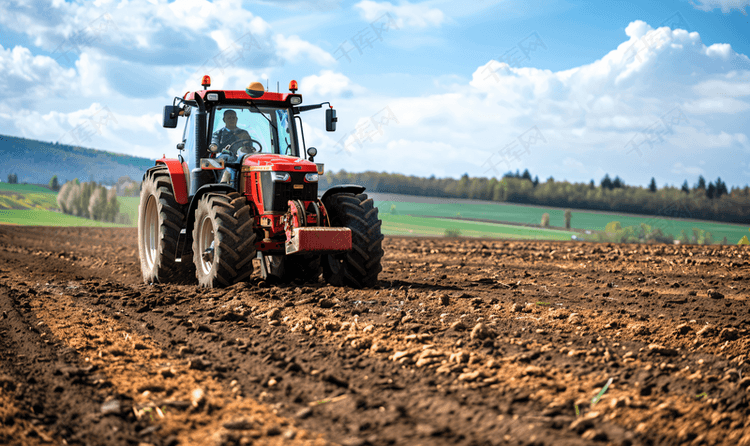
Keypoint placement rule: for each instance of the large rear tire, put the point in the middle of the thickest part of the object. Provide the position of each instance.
(359, 267)
(160, 219)
(223, 240)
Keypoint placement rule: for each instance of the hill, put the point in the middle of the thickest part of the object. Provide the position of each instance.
(38, 161)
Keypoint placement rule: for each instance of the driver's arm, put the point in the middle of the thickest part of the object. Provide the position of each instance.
(216, 138)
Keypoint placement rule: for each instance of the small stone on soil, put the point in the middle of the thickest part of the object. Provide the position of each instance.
(197, 397)
(111, 407)
(659, 349)
(480, 331)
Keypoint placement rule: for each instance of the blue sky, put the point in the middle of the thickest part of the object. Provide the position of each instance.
(572, 90)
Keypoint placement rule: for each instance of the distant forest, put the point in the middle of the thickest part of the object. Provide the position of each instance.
(703, 201)
(36, 162)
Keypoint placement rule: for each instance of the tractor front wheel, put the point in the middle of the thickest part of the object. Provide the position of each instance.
(160, 218)
(223, 240)
(359, 267)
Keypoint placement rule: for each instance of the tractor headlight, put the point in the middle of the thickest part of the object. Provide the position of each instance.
(311, 177)
(280, 176)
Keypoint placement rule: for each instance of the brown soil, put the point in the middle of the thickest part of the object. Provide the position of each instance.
(465, 342)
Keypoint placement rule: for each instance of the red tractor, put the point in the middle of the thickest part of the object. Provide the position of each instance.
(246, 191)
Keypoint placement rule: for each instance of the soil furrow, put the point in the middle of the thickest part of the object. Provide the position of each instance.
(463, 341)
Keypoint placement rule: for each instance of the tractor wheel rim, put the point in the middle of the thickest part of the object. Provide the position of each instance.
(206, 242)
(151, 232)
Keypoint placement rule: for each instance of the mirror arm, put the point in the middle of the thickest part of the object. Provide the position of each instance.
(304, 108)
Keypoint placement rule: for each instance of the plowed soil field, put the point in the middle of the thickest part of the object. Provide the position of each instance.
(463, 342)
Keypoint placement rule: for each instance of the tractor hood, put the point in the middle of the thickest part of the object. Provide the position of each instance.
(278, 163)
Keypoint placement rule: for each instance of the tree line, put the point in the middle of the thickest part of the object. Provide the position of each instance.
(90, 200)
(703, 201)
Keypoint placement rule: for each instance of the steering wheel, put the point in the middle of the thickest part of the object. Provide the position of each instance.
(244, 146)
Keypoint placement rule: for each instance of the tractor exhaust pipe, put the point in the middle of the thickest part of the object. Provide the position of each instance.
(201, 147)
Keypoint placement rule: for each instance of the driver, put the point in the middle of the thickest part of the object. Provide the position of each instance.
(230, 133)
(224, 138)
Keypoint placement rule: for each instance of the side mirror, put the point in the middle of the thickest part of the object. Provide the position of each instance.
(331, 120)
(171, 113)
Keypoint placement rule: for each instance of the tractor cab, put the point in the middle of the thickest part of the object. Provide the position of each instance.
(225, 126)
(248, 130)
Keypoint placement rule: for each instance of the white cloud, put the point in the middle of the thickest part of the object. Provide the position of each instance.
(220, 34)
(574, 164)
(304, 5)
(716, 105)
(29, 76)
(679, 169)
(329, 84)
(293, 49)
(726, 6)
(406, 14)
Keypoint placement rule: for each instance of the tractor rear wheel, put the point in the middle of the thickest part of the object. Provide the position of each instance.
(283, 268)
(223, 240)
(160, 219)
(359, 267)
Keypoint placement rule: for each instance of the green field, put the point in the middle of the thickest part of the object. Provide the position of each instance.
(129, 207)
(26, 196)
(40, 217)
(24, 188)
(590, 220)
(409, 225)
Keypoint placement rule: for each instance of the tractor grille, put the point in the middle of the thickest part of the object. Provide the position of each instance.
(276, 195)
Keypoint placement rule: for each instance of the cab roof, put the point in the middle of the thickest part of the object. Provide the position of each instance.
(241, 96)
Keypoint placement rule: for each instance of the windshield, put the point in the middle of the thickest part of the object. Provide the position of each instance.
(268, 127)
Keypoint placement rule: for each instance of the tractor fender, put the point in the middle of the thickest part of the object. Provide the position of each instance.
(342, 189)
(177, 175)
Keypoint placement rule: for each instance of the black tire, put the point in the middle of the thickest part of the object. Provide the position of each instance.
(160, 219)
(359, 267)
(282, 268)
(223, 240)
